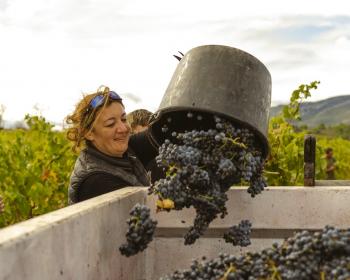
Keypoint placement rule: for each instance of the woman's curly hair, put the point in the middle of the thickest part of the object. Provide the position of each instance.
(83, 119)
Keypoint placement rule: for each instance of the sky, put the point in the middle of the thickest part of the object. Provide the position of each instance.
(54, 51)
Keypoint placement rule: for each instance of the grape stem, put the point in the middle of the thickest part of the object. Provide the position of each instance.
(275, 274)
(205, 197)
(171, 169)
(234, 142)
(136, 219)
(271, 172)
(228, 271)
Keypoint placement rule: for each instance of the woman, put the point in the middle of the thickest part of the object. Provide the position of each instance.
(111, 158)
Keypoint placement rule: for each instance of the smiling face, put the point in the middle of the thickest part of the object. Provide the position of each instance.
(111, 132)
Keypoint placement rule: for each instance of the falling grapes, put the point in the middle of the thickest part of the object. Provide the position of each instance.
(140, 230)
(305, 256)
(201, 166)
(239, 235)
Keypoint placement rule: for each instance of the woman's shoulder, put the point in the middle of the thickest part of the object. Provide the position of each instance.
(102, 178)
(99, 183)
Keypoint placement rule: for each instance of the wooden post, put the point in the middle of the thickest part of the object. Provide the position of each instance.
(309, 160)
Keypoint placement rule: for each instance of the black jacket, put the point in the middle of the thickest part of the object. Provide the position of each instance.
(96, 173)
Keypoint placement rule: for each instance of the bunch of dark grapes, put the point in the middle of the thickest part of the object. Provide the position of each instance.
(201, 165)
(239, 235)
(140, 230)
(305, 256)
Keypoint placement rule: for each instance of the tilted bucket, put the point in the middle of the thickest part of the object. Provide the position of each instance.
(218, 80)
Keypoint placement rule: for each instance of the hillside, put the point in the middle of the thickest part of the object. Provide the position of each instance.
(330, 111)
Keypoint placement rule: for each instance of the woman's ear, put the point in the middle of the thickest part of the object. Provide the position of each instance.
(89, 136)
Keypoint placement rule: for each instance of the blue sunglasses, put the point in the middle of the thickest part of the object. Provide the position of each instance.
(98, 100)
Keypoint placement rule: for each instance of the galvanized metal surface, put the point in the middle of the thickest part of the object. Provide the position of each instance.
(219, 80)
(81, 241)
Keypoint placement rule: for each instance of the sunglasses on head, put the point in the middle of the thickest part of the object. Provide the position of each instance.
(98, 100)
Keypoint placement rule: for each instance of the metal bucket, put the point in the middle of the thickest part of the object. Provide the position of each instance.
(218, 80)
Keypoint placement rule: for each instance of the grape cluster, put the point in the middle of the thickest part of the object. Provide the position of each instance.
(201, 165)
(239, 235)
(140, 230)
(305, 256)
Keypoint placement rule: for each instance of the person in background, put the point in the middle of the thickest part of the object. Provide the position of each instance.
(139, 122)
(110, 158)
(330, 164)
(2, 205)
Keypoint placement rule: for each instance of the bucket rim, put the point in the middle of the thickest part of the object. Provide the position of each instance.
(265, 149)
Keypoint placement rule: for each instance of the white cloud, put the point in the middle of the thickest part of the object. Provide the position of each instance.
(53, 50)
